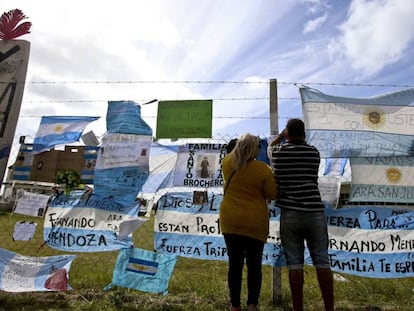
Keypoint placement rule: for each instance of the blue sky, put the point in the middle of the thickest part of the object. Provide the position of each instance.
(318, 43)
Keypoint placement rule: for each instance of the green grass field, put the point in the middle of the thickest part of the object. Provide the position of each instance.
(195, 284)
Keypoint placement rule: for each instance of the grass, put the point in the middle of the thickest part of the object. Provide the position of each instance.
(195, 284)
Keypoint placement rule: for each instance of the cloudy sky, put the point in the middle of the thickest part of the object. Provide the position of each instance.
(84, 53)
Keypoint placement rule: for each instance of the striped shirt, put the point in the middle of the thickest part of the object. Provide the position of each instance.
(295, 166)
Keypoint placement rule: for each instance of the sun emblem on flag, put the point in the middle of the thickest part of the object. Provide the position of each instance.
(374, 118)
(393, 175)
(58, 128)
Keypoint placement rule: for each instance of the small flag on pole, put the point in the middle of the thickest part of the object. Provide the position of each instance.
(59, 130)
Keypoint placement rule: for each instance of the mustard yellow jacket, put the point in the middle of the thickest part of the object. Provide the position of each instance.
(244, 209)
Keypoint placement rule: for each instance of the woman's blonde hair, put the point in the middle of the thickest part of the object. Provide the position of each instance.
(245, 150)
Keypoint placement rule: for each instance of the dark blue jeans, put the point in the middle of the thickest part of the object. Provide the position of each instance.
(239, 248)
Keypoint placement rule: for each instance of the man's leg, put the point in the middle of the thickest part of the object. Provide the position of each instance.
(296, 288)
(325, 280)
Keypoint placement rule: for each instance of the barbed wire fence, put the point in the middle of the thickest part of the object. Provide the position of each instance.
(146, 236)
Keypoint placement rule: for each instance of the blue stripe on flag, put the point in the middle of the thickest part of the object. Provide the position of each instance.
(22, 168)
(21, 177)
(142, 266)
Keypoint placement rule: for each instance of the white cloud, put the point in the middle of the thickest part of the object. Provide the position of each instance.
(314, 24)
(315, 6)
(377, 33)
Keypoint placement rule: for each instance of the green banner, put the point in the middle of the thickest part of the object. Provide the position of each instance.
(184, 119)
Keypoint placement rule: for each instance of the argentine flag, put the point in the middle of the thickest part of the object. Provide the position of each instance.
(143, 270)
(342, 127)
(56, 130)
(382, 179)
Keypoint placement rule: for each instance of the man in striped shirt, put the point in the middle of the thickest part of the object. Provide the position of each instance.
(295, 165)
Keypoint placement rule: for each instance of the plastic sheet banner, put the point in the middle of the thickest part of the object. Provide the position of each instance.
(343, 127)
(122, 164)
(87, 223)
(185, 119)
(28, 274)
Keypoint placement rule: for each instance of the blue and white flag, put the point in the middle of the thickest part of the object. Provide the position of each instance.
(143, 270)
(59, 130)
(382, 179)
(359, 127)
(28, 274)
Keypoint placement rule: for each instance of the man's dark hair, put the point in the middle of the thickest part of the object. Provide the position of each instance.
(295, 128)
(231, 144)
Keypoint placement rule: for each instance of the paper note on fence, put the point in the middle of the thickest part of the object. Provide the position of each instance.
(32, 204)
(24, 231)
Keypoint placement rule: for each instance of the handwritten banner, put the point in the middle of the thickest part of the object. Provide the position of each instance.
(27, 274)
(188, 230)
(365, 241)
(86, 223)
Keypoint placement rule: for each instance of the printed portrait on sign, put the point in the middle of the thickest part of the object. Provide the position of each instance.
(200, 197)
(205, 166)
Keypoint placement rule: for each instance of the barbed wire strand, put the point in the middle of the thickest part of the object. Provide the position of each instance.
(211, 82)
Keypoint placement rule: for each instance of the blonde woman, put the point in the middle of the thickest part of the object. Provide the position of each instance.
(244, 216)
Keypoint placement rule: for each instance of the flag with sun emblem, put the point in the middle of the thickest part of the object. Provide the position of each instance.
(382, 179)
(55, 130)
(343, 127)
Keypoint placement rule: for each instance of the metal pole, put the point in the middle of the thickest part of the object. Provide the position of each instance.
(274, 122)
(274, 129)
